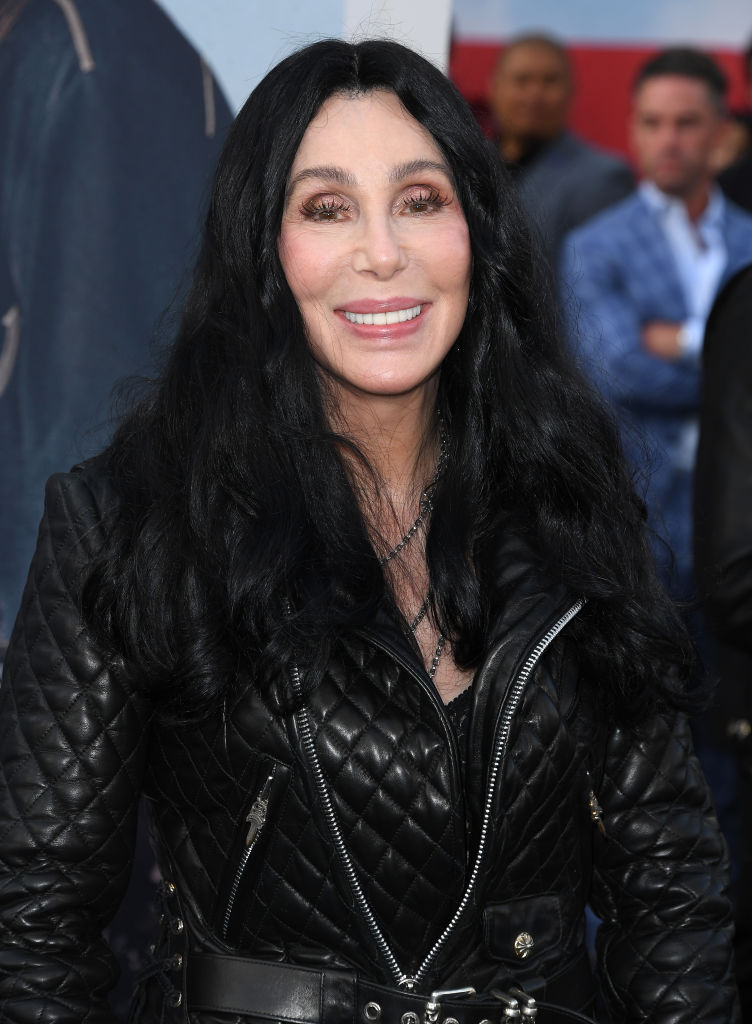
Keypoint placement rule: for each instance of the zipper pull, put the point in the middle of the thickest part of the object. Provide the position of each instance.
(596, 812)
(257, 814)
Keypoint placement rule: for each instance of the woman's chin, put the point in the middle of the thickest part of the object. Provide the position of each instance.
(389, 384)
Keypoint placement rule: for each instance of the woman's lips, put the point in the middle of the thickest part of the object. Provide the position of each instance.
(390, 319)
(392, 316)
(377, 317)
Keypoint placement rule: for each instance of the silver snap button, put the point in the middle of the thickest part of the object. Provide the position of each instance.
(409, 1018)
(485, 1021)
(372, 1011)
(177, 926)
(451, 1020)
(523, 945)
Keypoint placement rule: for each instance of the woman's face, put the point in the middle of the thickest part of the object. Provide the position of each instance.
(375, 246)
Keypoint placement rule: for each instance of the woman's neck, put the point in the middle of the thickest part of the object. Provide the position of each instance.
(394, 433)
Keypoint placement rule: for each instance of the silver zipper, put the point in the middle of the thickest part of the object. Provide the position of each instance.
(509, 707)
(309, 749)
(507, 713)
(256, 819)
(594, 807)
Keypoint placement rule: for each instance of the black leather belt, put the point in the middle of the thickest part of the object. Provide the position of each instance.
(301, 995)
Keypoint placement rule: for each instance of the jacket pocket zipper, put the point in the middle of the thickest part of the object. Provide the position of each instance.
(256, 819)
(594, 808)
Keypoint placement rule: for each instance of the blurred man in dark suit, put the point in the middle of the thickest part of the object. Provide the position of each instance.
(562, 180)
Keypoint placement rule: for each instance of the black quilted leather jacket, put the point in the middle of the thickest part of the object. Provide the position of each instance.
(516, 845)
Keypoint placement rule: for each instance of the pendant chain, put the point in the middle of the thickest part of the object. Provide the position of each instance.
(426, 499)
(421, 614)
(424, 510)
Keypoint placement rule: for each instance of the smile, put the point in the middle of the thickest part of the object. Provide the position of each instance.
(394, 316)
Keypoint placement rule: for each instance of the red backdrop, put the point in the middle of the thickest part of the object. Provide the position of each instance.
(603, 77)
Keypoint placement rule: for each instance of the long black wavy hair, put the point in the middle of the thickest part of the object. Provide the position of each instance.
(239, 543)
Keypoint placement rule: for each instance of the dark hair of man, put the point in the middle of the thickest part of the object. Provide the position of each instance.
(687, 63)
(239, 549)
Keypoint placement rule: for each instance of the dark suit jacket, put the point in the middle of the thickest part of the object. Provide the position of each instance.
(736, 182)
(723, 494)
(723, 556)
(568, 182)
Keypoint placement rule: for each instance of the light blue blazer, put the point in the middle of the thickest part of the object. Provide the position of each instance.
(618, 273)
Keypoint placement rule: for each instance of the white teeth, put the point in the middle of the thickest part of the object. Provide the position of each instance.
(394, 316)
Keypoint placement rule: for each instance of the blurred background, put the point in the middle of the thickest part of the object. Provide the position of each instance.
(607, 41)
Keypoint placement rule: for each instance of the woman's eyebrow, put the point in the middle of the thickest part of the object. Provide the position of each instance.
(406, 170)
(339, 176)
(336, 175)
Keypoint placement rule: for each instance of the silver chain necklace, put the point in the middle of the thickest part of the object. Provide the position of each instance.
(425, 508)
(425, 505)
(421, 614)
(436, 656)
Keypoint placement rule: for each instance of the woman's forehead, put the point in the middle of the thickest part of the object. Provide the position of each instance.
(348, 125)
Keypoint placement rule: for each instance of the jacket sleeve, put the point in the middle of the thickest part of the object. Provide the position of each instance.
(72, 747)
(664, 945)
(605, 330)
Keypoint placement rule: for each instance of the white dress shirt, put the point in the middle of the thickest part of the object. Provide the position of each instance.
(700, 254)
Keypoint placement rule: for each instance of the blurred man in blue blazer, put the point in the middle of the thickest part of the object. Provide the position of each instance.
(639, 279)
(638, 282)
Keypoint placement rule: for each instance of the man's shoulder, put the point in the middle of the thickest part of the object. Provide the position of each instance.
(612, 224)
(585, 155)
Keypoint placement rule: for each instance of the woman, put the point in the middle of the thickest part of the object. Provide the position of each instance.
(359, 599)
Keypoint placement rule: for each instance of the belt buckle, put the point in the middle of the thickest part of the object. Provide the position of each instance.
(433, 1006)
(518, 1005)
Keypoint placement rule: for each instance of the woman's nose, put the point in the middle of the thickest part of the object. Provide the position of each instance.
(378, 249)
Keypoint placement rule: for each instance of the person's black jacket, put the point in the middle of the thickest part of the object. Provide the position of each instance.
(80, 742)
(723, 491)
(723, 557)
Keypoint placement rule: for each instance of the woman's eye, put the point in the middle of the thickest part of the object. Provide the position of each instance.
(324, 210)
(425, 201)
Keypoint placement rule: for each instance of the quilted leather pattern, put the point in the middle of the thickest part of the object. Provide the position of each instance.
(660, 835)
(72, 739)
(79, 745)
